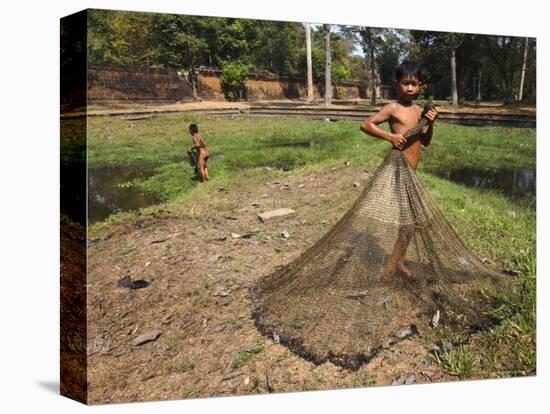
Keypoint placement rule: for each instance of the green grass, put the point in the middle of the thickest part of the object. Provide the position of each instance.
(457, 361)
(241, 143)
(480, 147)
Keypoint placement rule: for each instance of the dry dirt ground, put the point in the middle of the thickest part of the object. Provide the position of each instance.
(443, 106)
(196, 308)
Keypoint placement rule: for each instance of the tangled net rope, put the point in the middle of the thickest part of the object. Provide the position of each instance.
(336, 302)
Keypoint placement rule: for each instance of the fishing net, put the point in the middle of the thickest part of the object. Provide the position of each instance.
(390, 266)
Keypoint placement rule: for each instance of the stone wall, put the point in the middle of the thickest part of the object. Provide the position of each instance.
(107, 83)
(115, 83)
(261, 87)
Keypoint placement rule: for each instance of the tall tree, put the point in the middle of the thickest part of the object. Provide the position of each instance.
(523, 69)
(478, 97)
(505, 54)
(328, 66)
(183, 41)
(371, 38)
(454, 41)
(309, 64)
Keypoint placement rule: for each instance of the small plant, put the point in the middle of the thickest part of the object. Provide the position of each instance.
(127, 249)
(425, 101)
(171, 341)
(126, 184)
(312, 382)
(458, 361)
(449, 99)
(243, 356)
(233, 77)
(341, 92)
(184, 365)
(235, 322)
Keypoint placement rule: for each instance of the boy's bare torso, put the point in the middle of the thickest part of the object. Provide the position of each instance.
(402, 118)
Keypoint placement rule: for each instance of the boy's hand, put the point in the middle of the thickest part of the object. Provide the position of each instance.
(398, 140)
(431, 114)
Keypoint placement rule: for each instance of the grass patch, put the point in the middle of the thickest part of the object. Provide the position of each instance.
(244, 356)
(255, 145)
(312, 382)
(172, 342)
(457, 361)
(235, 322)
(185, 365)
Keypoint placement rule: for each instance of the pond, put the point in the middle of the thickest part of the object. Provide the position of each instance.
(515, 183)
(110, 189)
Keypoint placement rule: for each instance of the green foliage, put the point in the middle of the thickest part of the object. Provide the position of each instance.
(179, 41)
(340, 71)
(498, 58)
(121, 37)
(233, 78)
(339, 55)
(276, 46)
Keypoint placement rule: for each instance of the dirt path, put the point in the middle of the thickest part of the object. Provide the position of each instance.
(204, 342)
(122, 108)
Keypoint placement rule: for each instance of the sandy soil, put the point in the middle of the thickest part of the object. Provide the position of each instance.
(197, 309)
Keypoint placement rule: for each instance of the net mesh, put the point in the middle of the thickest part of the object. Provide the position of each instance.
(390, 265)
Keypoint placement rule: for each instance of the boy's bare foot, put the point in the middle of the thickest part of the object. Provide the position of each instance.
(408, 272)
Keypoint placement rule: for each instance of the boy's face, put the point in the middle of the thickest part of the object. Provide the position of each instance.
(407, 87)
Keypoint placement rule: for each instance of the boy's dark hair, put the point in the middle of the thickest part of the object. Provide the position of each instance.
(407, 68)
(193, 128)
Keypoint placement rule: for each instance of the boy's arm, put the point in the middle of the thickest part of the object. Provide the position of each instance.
(426, 137)
(370, 126)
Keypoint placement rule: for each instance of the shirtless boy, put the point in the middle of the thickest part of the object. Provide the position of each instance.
(198, 140)
(402, 115)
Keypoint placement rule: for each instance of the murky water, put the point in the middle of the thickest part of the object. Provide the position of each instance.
(515, 183)
(110, 190)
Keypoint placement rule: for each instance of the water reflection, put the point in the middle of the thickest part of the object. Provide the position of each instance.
(515, 183)
(110, 190)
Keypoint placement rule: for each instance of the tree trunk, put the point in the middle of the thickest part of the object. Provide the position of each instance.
(373, 77)
(377, 90)
(479, 87)
(454, 90)
(523, 70)
(309, 64)
(194, 81)
(328, 66)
